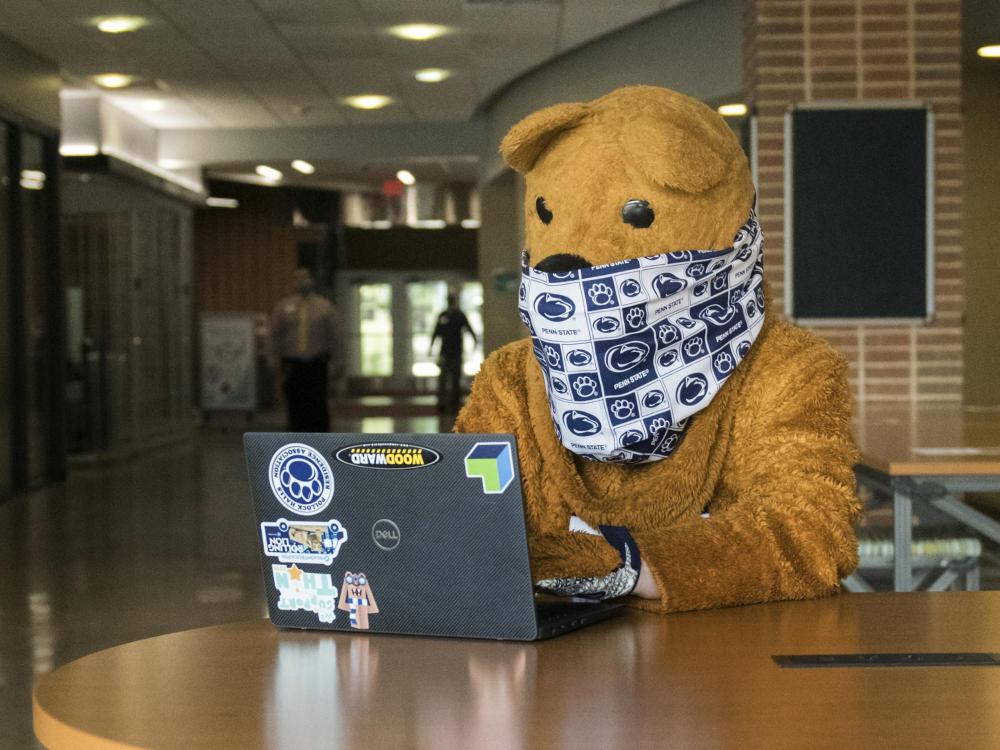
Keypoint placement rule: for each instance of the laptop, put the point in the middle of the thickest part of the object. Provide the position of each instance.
(417, 534)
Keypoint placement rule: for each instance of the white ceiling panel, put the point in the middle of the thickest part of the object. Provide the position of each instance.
(583, 17)
(336, 13)
(269, 63)
(382, 13)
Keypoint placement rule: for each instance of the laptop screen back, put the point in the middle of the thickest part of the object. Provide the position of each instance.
(394, 533)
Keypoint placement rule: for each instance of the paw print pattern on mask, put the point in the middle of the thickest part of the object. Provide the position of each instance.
(622, 409)
(600, 295)
(635, 318)
(658, 426)
(724, 363)
(585, 387)
(667, 333)
(552, 356)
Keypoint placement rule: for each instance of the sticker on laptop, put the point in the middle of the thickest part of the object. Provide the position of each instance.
(301, 479)
(357, 600)
(388, 456)
(308, 543)
(493, 463)
(309, 592)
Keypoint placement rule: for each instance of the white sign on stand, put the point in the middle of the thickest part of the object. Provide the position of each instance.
(228, 362)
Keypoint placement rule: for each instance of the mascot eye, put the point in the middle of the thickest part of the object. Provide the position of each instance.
(638, 213)
(543, 211)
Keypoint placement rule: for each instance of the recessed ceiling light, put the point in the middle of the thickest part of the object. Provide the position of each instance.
(303, 166)
(732, 110)
(367, 101)
(419, 32)
(406, 177)
(216, 202)
(113, 80)
(268, 173)
(120, 24)
(432, 75)
(990, 50)
(79, 149)
(175, 163)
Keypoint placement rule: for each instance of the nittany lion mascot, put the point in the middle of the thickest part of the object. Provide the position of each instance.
(679, 443)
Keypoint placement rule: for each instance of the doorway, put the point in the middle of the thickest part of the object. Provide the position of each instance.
(388, 320)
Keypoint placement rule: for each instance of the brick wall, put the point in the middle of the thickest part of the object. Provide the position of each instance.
(863, 50)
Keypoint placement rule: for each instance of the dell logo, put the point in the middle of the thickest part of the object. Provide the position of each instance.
(385, 534)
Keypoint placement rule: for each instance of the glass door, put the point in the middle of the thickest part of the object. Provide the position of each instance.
(426, 300)
(373, 336)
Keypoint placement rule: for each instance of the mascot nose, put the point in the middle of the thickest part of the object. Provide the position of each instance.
(562, 262)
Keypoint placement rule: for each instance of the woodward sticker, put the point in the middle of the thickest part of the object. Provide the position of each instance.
(387, 456)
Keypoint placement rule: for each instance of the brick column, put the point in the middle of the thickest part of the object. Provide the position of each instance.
(864, 50)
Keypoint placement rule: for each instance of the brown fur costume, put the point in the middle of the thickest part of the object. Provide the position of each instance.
(770, 457)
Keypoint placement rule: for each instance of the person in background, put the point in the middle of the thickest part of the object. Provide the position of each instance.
(450, 325)
(306, 342)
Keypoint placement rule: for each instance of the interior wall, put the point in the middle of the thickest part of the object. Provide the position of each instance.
(29, 85)
(244, 257)
(864, 52)
(981, 106)
(695, 49)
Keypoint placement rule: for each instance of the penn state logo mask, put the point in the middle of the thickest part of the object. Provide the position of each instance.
(631, 350)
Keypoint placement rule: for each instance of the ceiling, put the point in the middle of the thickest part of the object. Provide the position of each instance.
(281, 63)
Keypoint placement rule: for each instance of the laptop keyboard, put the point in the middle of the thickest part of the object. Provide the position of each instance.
(554, 611)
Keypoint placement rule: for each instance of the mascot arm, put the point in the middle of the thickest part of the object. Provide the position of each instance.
(783, 528)
(495, 407)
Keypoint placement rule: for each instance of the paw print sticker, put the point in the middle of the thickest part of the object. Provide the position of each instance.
(724, 363)
(585, 387)
(622, 409)
(601, 294)
(635, 317)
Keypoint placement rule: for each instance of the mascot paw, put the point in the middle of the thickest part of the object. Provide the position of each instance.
(569, 555)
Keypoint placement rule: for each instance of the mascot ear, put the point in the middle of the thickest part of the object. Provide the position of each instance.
(676, 150)
(531, 136)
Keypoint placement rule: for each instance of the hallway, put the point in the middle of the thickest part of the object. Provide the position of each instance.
(128, 551)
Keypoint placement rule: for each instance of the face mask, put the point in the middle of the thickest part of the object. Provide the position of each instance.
(631, 350)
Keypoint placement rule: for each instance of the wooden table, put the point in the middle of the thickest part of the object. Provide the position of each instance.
(702, 679)
(927, 452)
